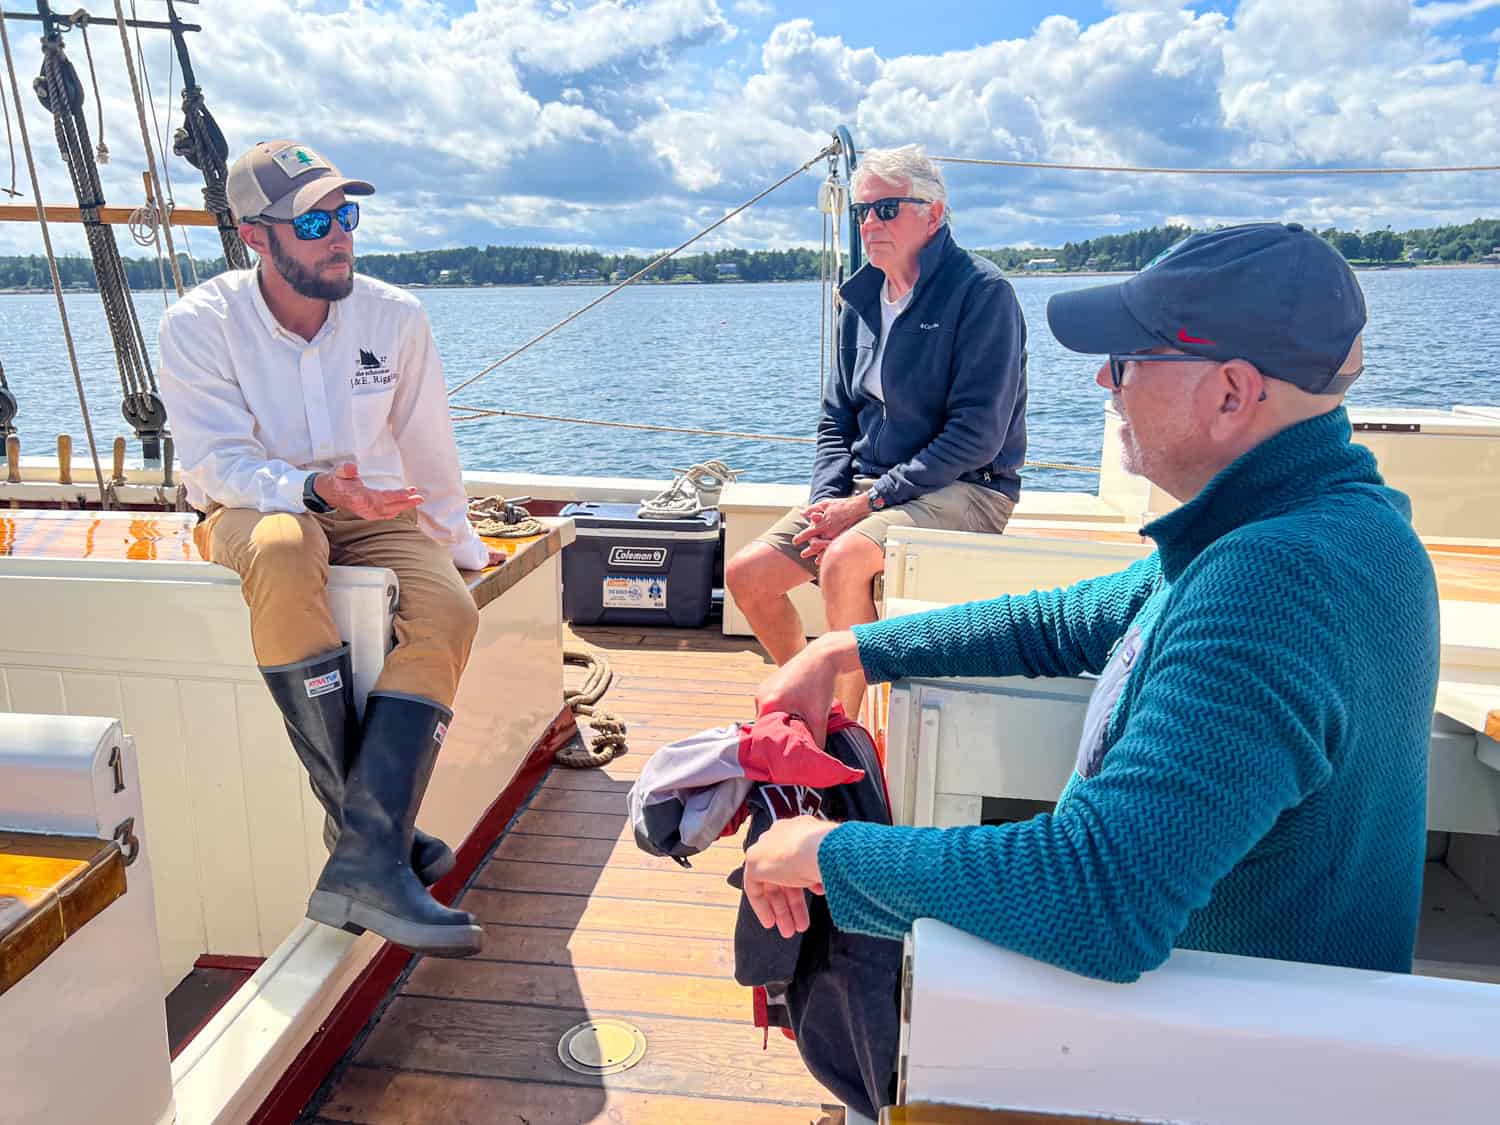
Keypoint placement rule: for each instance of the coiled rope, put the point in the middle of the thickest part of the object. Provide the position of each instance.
(608, 741)
(503, 519)
(692, 490)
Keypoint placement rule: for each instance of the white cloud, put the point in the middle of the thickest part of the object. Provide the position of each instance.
(633, 122)
(1438, 13)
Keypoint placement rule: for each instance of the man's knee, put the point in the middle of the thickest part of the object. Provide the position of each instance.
(455, 618)
(282, 549)
(850, 564)
(757, 571)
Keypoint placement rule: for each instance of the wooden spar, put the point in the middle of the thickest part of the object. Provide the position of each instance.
(116, 216)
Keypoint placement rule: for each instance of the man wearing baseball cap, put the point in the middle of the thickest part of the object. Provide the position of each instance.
(309, 412)
(1251, 777)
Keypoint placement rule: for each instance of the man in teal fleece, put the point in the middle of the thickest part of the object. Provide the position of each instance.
(1252, 774)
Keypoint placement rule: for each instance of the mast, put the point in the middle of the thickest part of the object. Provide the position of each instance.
(200, 142)
(848, 160)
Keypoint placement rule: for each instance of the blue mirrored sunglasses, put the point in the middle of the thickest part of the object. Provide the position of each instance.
(315, 224)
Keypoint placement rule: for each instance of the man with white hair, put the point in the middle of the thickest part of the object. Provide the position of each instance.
(924, 417)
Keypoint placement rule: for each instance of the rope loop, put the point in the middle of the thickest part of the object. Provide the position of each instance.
(499, 518)
(608, 741)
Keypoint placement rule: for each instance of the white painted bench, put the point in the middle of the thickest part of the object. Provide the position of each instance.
(1204, 1038)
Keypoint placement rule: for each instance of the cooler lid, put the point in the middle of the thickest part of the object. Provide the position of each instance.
(602, 516)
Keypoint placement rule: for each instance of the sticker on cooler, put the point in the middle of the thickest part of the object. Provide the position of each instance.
(635, 591)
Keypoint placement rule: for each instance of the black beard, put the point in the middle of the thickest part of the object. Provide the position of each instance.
(304, 281)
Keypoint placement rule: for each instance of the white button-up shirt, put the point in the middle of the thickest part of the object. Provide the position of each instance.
(255, 408)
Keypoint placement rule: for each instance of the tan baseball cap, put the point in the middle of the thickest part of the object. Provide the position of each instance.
(282, 179)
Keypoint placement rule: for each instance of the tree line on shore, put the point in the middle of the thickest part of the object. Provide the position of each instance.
(540, 265)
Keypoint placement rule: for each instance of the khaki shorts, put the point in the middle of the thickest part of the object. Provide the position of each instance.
(959, 506)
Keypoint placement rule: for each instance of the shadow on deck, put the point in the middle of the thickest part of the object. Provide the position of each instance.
(581, 924)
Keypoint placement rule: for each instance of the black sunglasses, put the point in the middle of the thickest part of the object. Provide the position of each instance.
(313, 225)
(885, 209)
(1117, 365)
(1117, 362)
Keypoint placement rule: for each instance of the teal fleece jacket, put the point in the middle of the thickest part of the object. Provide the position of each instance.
(1263, 786)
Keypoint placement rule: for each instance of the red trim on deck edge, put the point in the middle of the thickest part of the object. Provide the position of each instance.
(321, 1053)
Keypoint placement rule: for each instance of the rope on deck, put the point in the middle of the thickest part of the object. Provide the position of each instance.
(609, 732)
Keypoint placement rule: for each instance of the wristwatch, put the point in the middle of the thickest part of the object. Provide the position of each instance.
(311, 499)
(875, 500)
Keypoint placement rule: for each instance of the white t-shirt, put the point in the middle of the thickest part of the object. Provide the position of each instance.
(889, 311)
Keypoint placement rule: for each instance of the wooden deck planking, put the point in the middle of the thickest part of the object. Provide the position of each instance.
(579, 924)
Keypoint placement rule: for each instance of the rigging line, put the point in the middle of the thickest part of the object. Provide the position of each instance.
(41, 216)
(10, 141)
(166, 163)
(102, 149)
(641, 272)
(151, 101)
(162, 216)
(480, 413)
(1057, 167)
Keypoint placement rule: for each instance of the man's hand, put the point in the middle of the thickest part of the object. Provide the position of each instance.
(496, 558)
(780, 867)
(343, 489)
(827, 520)
(804, 685)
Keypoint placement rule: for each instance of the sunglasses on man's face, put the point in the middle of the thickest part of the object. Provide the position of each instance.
(313, 225)
(885, 209)
(1118, 363)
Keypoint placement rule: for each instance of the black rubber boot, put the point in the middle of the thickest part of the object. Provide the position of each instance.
(368, 880)
(316, 698)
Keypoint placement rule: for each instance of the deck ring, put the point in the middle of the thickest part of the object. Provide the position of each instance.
(601, 1047)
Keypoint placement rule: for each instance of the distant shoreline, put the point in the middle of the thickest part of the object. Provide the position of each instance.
(1012, 274)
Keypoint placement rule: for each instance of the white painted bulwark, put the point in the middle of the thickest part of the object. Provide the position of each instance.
(165, 647)
(83, 1036)
(959, 566)
(1205, 1038)
(510, 693)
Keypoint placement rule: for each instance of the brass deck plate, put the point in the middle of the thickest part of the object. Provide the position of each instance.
(601, 1047)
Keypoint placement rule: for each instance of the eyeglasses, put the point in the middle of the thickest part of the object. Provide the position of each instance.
(885, 209)
(313, 225)
(1117, 363)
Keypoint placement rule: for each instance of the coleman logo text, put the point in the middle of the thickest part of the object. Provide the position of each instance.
(637, 556)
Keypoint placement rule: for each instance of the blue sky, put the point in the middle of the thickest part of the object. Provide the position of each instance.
(629, 124)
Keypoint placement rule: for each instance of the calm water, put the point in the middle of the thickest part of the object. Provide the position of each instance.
(736, 357)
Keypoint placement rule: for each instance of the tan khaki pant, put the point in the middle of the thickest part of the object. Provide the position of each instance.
(283, 559)
(959, 506)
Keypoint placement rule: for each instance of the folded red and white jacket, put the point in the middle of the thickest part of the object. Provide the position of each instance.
(692, 791)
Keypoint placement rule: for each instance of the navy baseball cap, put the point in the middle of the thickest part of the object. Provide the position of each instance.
(1274, 294)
